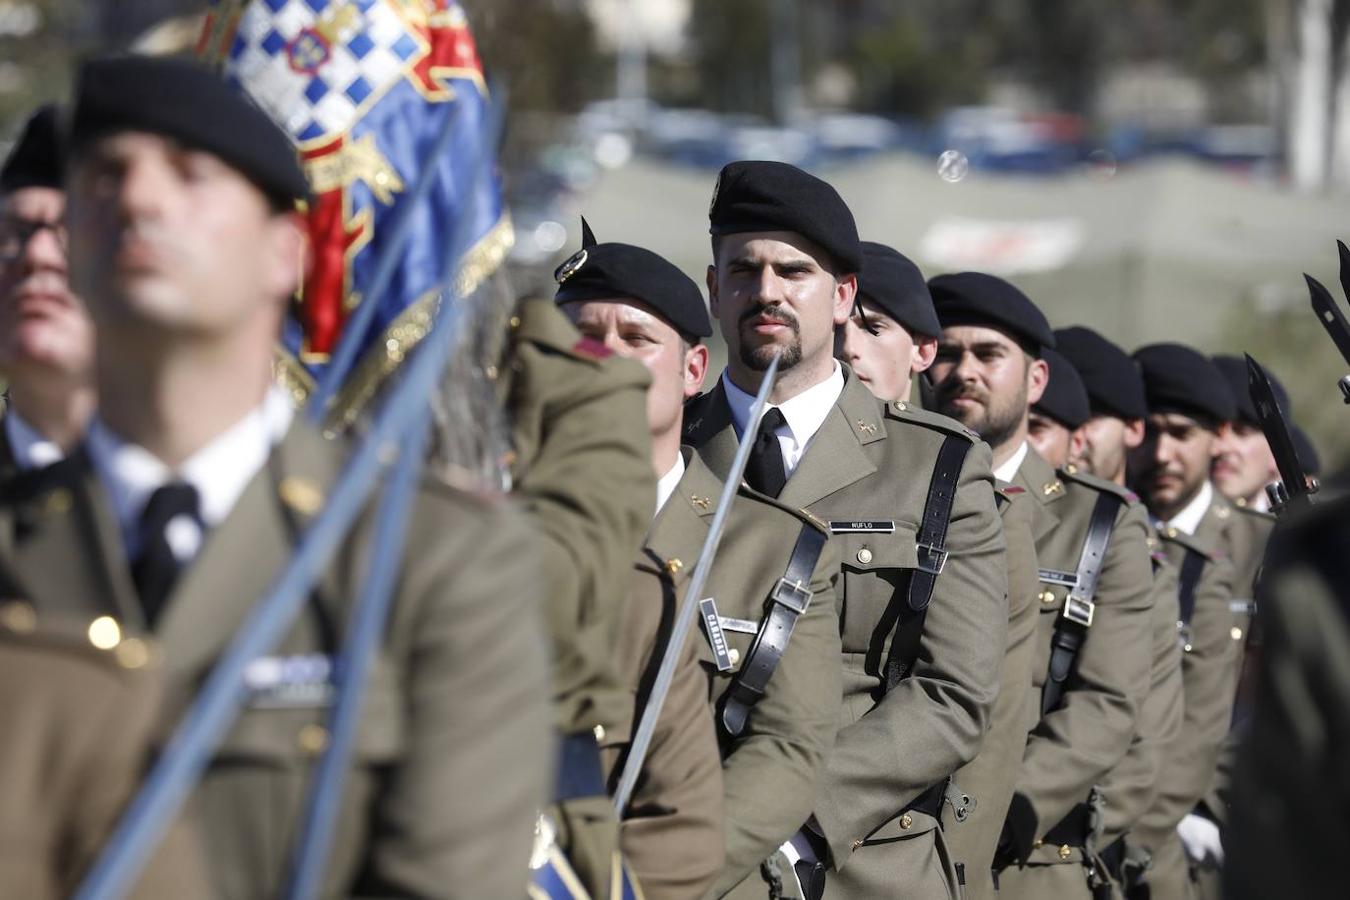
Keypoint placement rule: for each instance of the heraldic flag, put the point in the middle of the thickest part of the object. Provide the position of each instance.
(362, 86)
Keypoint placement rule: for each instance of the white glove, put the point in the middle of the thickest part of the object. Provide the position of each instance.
(1200, 837)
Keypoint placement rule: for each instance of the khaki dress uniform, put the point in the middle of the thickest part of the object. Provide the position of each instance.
(1072, 748)
(582, 469)
(772, 769)
(79, 702)
(866, 473)
(451, 753)
(671, 837)
(988, 778)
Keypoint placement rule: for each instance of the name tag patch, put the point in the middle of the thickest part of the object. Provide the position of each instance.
(862, 526)
(288, 682)
(1054, 576)
(740, 626)
(717, 639)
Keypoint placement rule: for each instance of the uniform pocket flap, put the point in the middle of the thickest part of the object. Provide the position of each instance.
(906, 825)
(869, 552)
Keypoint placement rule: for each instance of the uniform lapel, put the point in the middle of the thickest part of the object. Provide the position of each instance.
(835, 458)
(681, 527)
(1213, 526)
(709, 428)
(245, 553)
(1040, 481)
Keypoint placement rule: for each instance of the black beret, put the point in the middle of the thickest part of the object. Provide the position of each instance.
(974, 298)
(1182, 380)
(36, 159)
(1307, 453)
(758, 195)
(1234, 371)
(1114, 385)
(615, 271)
(895, 284)
(1065, 399)
(187, 102)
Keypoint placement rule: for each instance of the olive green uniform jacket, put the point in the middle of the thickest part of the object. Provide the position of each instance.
(79, 727)
(1289, 830)
(671, 835)
(772, 770)
(1073, 747)
(988, 778)
(872, 462)
(451, 755)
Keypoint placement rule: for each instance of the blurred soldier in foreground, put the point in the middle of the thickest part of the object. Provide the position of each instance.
(1188, 401)
(633, 303)
(46, 340)
(1289, 828)
(1092, 649)
(921, 596)
(1054, 420)
(890, 335)
(194, 485)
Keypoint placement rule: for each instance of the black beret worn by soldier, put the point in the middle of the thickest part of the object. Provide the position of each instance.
(451, 753)
(79, 701)
(1046, 846)
(1065, 398)
(866, 474)
(1112, 380)
(37, 157)
(889, 280)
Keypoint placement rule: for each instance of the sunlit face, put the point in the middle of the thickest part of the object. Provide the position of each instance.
(985, 379)
(43, 326)
(881, 351)
(1055, 443)
(1243, 461)
(1104, 441)
(1172, 464)
(634, 330)
(772, 293)
(174, 239)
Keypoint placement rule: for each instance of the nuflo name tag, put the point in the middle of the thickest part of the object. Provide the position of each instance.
(288, 682)
(862, 526)
(1054, 576)
(717, 638)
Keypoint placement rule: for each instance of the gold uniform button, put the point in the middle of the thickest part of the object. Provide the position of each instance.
(515, 322)
(301, 494)
(1236, 633)
(673, 566)
(900, 406)
(105, 633)
(1071, 468)
(1047, 596)
(906, 821)
(857, 844)
(599, 732)
(734, 655)
(1064, 851)
(1037, 844)
(864, 556)
(312, 739)
(1171, 532)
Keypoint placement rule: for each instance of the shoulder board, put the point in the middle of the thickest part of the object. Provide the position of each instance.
(794, 511)
(911, 412)
(1078, 476)
(1190, 542)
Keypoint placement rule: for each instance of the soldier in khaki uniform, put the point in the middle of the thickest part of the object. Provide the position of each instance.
(1092, 661)
(193, 486)
(888, 341)
(922, 613)
(580, 468)
(773, 748)
(46, 339)
(1054, 420)
(1188, 400)
(79, 701)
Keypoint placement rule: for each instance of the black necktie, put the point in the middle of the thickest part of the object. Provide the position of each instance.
(764, 471)
(156, 568)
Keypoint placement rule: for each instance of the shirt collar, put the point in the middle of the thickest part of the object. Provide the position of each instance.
(1188, 519)
(31, 449)
(219, 471)
(1008, 470)
(666, 485)
(804, 413)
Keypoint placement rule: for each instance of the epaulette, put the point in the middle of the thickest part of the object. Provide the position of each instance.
(1242, 506)
(911, 412)
(102, 639)
(1072, 473)
(1190, 542)
(795, 511)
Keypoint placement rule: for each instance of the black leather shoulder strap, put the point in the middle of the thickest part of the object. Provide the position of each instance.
(931, 543)
(1072, 627)
(789, 599)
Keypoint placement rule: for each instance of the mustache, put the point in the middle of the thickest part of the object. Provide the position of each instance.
(772, 313)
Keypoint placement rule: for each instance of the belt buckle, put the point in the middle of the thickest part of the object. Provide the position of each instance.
(792, 594)
(1079, 610)
(932, 560)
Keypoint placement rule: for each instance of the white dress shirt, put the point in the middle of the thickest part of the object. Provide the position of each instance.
(805, 413)
(1189, 518)
(666, 484)
(31, 450)
(219, 471)
(1008, 470)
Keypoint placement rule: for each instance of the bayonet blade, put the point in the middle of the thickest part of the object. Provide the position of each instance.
(1328, 313)
(1276, 429)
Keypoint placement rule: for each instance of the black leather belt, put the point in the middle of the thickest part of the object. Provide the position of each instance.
(790, 598)
(1072, 627)
(579, 771)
